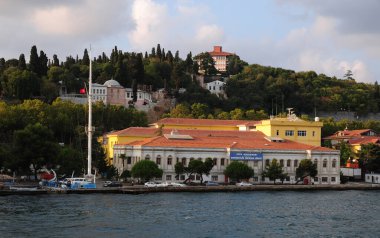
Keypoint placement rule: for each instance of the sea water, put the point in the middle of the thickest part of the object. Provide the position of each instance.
(240, 214)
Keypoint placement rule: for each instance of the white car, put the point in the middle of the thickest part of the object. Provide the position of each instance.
(163, 184)
(175, 184)
(243, 184)
(150, 184)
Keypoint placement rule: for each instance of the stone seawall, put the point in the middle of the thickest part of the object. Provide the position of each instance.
(198, 189)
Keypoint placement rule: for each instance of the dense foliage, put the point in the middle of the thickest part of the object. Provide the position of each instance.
(146, 170)
(195, 167)
(306, 168)
(238, 170)
(274, 171)
(32, 131)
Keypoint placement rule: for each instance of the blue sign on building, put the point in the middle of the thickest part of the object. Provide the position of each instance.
(242, 155)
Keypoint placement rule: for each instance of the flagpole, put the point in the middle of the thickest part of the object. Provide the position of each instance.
(89, 129)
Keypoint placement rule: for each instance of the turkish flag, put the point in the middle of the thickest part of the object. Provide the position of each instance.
(82, 91)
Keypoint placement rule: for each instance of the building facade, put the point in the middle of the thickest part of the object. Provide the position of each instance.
(216, 87)
(169, 149)
(220, 58)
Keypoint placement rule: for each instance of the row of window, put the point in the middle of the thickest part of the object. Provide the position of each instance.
(223, 161)
(325, 179)
(291, 133)
(139, 95)
(213, 88)
(98, 91)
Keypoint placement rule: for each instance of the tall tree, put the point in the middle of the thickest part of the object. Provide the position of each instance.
(34, 62)
(146, 170)
(21, 62)
(43, 64)
(159, 52)
(55, 60)
(86, 58)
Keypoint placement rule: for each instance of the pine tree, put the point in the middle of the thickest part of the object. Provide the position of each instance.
(169, 57)
(189, 62)
(146, 55)
(163, 55)
(153, 54)
(55, 60)
(21, 62)
(34, 62)
(2, 64)
(86, 58)
(159, 52)
(176, 57)
(43, 63)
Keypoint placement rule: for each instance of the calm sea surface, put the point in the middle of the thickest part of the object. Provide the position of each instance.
(244, 214)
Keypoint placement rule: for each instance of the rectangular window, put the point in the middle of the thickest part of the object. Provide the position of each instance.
(255, 163)
(267, 162)
(129, 160)
(197, 177)
(127, 95)
(214, 178)
(289, 133)
(169, 161)
(315, 179)
(333, 164)
(277, 132)
(324, 163)
(214, 161)
(333, 179)
(313, 133)
(301, 133)
(158, 160)
(209, 87)
(288, 163)
(324, 179)
(295, 163)
(282, 163)
(184, 161)
(182, 177)
(168, 177)
(222, 162)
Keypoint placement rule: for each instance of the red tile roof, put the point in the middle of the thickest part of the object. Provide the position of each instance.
(150, 131)
(215, 142)
(348, 134)
(205, 122)
(365, 140)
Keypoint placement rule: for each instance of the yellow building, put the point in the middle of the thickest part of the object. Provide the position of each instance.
(292, 128)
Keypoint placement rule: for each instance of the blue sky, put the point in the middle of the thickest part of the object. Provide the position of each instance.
(326, 36)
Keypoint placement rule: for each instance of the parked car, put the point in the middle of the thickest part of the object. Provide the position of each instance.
(211, 183)
(150, 184)
(112, 184)
(243, 184)
(176, 184)
(163, 184)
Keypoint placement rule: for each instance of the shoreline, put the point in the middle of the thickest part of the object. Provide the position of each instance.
(140, 189)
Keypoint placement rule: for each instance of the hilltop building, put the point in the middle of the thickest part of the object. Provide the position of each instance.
(220, 58)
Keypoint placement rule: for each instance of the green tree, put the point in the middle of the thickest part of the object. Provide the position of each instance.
(207, 63)
(146, 170)
(34, 62)
(345, 152)
(306, 168)
(199, 167)
(55, 60)
(181, 111)
(237, 170)
(43, 60)
(369, 158)
(179, 169)
(199, 110)
(86, 58)
(21, 62)
(35, 146)
(274, 171)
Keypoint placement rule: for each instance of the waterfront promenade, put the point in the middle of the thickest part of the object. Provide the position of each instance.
(140, 189)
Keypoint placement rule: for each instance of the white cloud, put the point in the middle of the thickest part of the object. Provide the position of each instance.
(209, 35)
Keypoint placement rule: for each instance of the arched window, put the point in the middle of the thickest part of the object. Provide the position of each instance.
(184, 161)
(288, 163)
(158, 159)
(295, 163)
(267, 162)
(215, 161)
(333, 163)
(147, 157)
(315, 161)
(170, 160)
(324, 163)
(281, 162)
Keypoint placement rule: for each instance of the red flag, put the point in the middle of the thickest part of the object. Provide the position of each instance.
(82, 91)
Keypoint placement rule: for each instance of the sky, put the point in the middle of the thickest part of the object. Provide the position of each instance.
(326, 36)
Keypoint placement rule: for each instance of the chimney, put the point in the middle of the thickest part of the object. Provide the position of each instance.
(217, 49)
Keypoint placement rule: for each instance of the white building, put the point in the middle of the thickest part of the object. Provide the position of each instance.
(216, 87)
(99, 93)
(254, 148)
(372, 178)
(143, 97)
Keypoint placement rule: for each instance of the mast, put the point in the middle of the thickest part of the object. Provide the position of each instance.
(89, 129)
